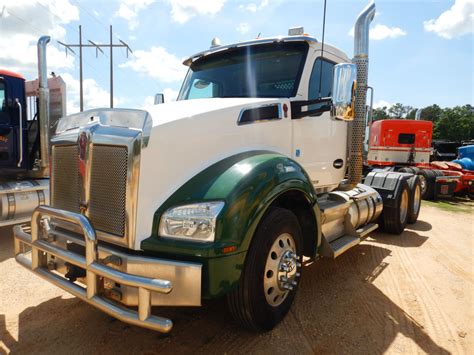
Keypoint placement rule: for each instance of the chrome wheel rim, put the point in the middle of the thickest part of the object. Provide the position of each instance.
(280, 270)
(404, 206)
(423, 184)
(416, 199)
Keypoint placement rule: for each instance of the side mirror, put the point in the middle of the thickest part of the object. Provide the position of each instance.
(343, 91)
(159, 99)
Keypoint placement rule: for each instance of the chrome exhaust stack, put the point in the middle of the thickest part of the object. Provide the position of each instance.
(43, 106)
(361, 60)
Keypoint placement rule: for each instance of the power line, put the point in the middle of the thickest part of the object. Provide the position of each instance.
(40, 31)
(98, 47)
(47, 9)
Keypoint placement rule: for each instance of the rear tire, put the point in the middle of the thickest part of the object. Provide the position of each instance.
(395, 218)
(430, 177)
(415, 199)
(407, 169)
(261, 301)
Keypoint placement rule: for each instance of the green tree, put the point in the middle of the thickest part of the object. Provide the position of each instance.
(455, 124)
(412, 114)
(431, 113)
(398, 110)
(380, 113)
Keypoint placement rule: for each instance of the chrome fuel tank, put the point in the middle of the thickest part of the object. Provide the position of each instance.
(343, 212)
(18, 199)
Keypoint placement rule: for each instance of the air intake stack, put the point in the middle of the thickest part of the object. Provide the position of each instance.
(361, 60)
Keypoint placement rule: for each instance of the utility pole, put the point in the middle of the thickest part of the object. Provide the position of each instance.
(98, 47)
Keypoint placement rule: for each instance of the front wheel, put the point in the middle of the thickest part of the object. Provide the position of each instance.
(269, 281)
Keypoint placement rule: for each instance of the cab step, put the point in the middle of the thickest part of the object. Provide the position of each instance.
(362, 232)
(342, 244)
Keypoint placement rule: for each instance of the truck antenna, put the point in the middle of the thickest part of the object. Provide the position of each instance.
(322, 51)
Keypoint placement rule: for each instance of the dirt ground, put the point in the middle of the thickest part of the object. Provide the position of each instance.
(411, 293)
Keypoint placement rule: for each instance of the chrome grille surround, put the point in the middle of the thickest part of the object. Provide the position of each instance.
(108, 186)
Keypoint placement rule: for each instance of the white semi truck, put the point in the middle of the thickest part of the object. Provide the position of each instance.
(256, 168)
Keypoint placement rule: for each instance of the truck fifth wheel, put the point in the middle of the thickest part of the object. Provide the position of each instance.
(222, 192)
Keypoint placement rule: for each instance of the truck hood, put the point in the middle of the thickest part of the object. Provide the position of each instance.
(176, 110)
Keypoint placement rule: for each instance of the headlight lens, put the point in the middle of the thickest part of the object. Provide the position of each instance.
(195, 221)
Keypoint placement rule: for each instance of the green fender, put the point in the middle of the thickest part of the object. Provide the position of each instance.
(248, 183)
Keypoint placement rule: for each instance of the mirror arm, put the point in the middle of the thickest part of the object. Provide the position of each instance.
(296, 106)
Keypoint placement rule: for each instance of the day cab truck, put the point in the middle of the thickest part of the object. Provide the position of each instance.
(254, 169)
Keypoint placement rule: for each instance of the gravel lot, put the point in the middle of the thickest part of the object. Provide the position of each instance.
(392, 294)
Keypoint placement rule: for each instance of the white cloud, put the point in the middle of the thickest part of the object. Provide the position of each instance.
(382, 103)
(183, 10)
(170, 95)
(455, 22)
(157, 63)
(379, 32)
(243, 28)
(129, 9)
(149, 101)
(253, 7)
(23, 22)
(94, 95)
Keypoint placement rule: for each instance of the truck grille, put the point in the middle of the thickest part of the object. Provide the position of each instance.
(108, 185)
(65, 193)
(108, 188)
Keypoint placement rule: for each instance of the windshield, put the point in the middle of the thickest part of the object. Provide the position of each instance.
(268, 70)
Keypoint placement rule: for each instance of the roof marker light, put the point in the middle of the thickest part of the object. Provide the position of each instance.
(296, 31)
(216, 42)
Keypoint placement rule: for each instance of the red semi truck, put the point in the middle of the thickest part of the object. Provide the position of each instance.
(405, 146)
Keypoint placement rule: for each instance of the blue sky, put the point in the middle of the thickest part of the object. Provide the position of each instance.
(421, 52)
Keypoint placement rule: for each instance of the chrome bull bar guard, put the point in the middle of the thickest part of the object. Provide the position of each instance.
(94, 269)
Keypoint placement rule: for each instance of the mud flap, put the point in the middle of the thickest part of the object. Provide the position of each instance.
(387, 184)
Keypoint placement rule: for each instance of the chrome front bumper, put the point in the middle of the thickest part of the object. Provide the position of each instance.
(142, 281)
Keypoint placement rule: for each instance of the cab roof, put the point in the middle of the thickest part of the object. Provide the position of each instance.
(303, 38)
(11, 73)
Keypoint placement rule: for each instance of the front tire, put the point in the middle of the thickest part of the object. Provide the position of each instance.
(270, 278)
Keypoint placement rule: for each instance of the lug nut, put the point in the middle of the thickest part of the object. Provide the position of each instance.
(294, 283)
(298, 264)
(283, 279)
(298, 274)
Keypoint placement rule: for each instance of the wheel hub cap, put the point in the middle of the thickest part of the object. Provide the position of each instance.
(423, 183)
(281, 270)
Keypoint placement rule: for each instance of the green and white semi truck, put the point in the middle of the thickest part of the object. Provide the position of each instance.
(255, 169)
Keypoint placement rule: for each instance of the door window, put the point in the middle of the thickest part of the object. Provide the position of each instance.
(3, 100)
(320, 76)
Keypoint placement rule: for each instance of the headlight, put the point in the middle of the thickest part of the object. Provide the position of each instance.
(194, 221)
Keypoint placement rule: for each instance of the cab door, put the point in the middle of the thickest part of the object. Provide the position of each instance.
(319, 142)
